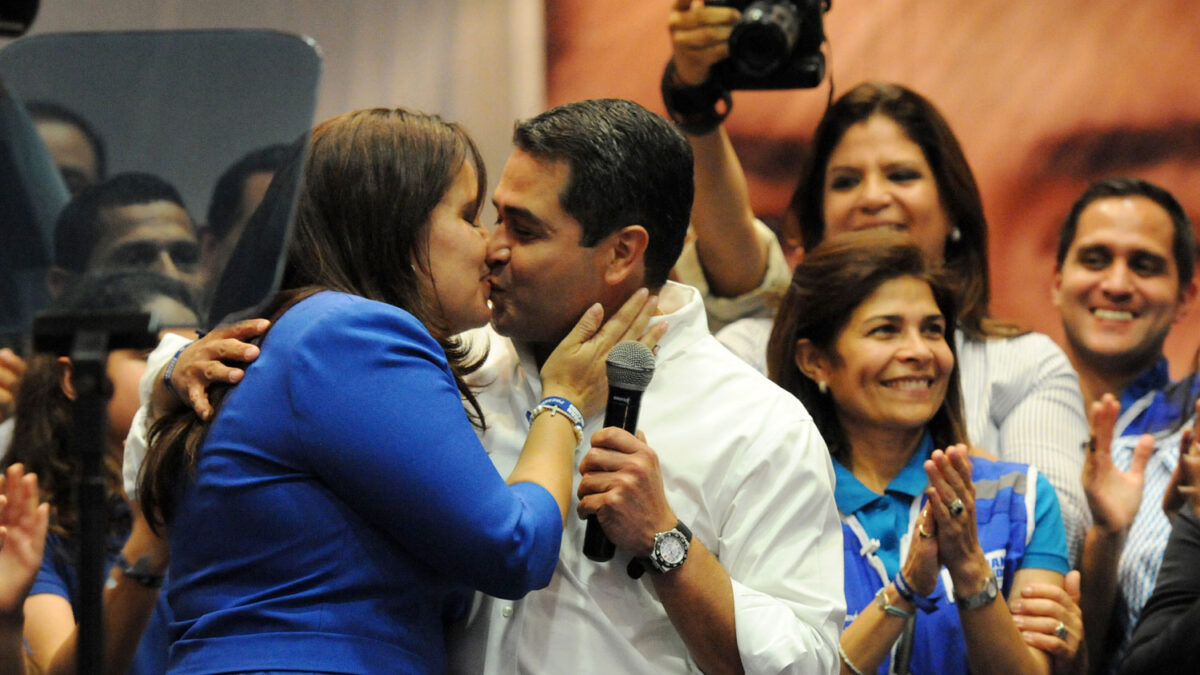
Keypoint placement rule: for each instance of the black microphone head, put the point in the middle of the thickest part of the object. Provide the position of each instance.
(630, 366)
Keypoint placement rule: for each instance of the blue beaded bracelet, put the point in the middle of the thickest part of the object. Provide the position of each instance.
(555, 405)
(925, 603)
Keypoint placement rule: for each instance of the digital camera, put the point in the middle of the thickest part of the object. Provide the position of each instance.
(776, 44)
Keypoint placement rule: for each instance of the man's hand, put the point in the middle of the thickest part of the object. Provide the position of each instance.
(12, 367)
(622, 485)
(699, 38)
(1185, 482)
(206, 362)
(1113, 495)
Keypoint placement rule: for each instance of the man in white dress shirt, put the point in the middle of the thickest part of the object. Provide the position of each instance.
(593, 205)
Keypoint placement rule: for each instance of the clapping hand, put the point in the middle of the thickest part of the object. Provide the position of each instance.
(1185, 482)
(952, 502)
(22, 536)
(1050, 619)
(1113, 495)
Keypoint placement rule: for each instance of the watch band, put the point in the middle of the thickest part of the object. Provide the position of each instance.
(983, 598)
(139, 573)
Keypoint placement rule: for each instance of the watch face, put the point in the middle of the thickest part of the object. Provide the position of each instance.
(672, 549)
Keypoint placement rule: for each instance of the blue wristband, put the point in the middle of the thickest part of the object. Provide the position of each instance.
(171, 370)
(925, 603)
(555, 405)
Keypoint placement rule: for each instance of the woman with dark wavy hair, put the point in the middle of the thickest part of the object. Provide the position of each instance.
(884, 156)
(935, 531)
(135, 616)
(338, 508)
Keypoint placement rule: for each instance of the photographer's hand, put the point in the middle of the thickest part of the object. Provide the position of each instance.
(699, 38)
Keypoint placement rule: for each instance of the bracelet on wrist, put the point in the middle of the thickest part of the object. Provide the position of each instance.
(694, 108)
(925, 603)
(881, 601)
(171, 371)
(139, 572)
(846, 660)
(555, 405)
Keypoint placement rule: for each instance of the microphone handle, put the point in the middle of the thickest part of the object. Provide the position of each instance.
(622, 411)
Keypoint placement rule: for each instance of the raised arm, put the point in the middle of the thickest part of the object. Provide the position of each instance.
(993, 643)
(22, 535)
(129, 602)
(1164, 640)
(733, 257)
(1114, 498)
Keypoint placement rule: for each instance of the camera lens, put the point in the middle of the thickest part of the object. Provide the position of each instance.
(764, 37)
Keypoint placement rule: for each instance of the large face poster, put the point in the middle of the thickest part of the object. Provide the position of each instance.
(1045, 97)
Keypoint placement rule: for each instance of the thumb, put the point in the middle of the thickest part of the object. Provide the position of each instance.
(1071, 585)
(1141, 454)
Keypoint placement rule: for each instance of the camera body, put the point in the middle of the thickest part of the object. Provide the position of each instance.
(776, 44)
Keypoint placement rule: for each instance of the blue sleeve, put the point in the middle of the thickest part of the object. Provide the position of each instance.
(56, 576)
(384, 426)
(1047, 549)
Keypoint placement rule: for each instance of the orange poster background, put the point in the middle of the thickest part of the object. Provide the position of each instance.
(1045, 97)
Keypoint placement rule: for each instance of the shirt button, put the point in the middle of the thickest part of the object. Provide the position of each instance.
(507, 611)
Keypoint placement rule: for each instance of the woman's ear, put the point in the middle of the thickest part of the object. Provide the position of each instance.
(65, 372)
(812, 361)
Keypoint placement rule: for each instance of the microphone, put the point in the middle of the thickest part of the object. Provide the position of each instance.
(630, 367)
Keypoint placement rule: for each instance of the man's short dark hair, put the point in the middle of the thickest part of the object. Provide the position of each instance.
(226, 206)
(78, 228)
(1183, 241)
(48, 111)
(627, 166)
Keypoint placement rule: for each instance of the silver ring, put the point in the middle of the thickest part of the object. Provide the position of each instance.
(956, 508)
(1060, 631)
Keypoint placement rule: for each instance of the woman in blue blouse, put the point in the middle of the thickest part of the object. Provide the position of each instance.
(861, 340)
(339, 508)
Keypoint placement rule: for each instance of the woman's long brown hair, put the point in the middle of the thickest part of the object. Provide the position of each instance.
(370, 183)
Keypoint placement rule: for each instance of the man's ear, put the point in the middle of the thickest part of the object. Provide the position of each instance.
(58, 279)
(626, 257)
(1056, 288)
(1186, 295)
(65, 380)
(812, 361)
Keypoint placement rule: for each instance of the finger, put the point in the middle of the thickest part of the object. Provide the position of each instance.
(218, 350)
(630, 314)
(1072, 585)
(250, 328)
(655, 333)
(198, 397)
(938, 479)
(702, 40)
(1047, 643)
(1102, 421)
(958, 482)
(1141, 454)
(587, 325)
(215, 371)
(637, 326)
(687, 18)
(11, 362)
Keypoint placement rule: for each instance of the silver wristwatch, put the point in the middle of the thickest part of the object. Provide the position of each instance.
(670, 548)
(981, 599)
